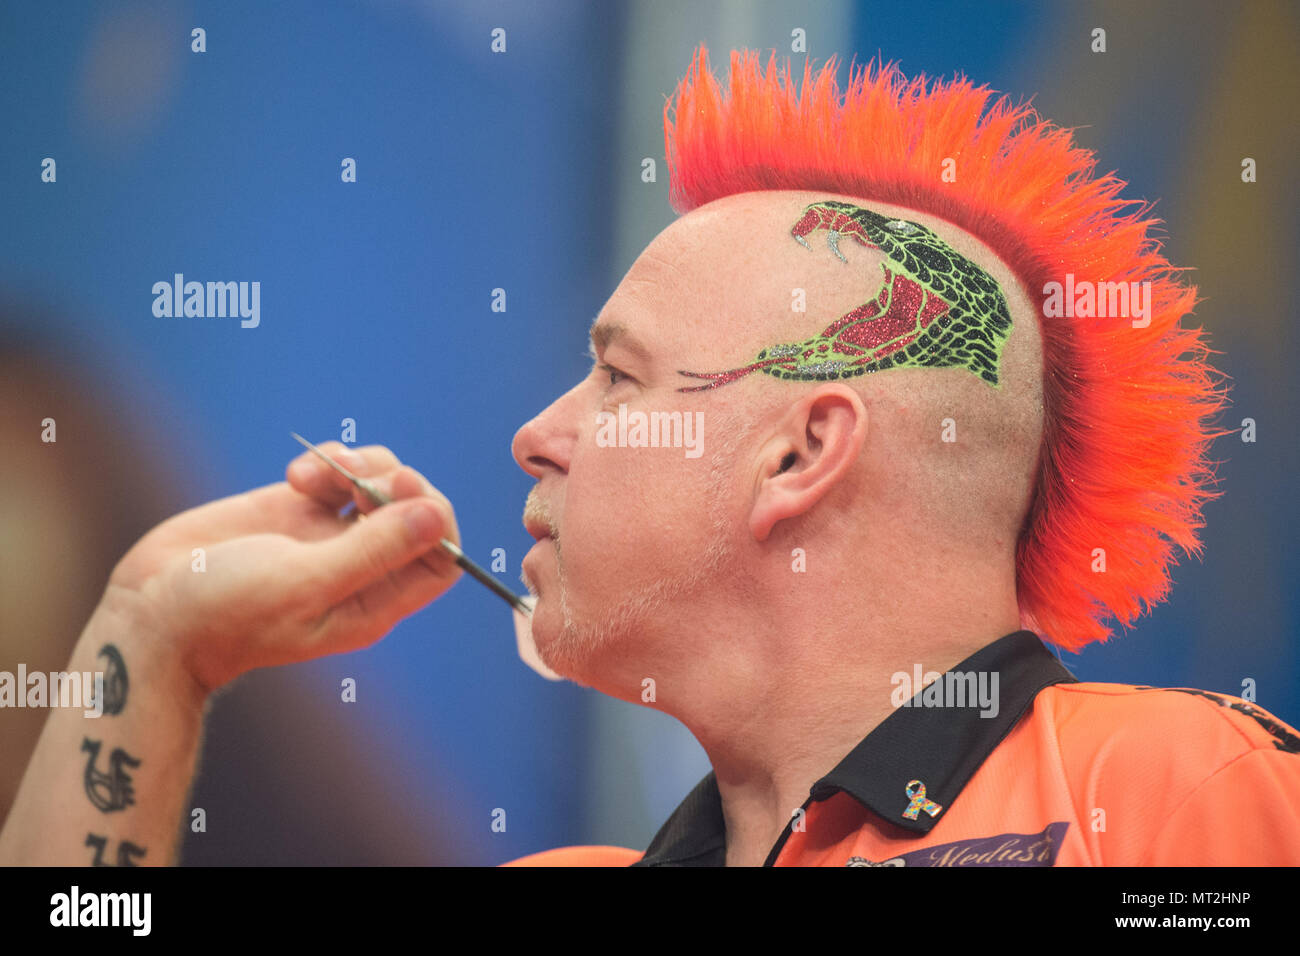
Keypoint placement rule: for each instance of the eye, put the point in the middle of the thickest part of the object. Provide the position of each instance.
(615, 375)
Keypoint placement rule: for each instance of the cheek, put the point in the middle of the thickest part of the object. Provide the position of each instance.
(632, 512)
(607, 494)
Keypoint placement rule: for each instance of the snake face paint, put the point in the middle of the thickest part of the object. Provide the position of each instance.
(935, 308)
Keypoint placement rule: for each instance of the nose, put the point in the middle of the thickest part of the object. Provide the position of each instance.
(546, 442)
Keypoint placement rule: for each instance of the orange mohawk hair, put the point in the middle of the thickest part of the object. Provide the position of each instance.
(1123, 463)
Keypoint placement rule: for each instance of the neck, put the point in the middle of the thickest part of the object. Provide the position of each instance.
(777, 706)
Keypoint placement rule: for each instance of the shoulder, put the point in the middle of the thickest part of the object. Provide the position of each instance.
(1159, 775)
(580, 856)
(1180, 721)
(1170, 717)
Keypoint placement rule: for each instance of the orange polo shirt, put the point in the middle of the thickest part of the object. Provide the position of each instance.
(1057, 773)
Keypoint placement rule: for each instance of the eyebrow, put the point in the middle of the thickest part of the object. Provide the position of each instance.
(603, 334)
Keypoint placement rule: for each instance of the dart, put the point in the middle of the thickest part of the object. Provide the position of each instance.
(378, 497)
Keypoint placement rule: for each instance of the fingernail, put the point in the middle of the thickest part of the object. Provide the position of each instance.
(352, 461)
(422, 520)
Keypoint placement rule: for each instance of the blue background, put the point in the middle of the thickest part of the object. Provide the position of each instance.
(522, 171)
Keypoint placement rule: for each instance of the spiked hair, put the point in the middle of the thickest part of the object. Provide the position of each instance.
(1127, 411)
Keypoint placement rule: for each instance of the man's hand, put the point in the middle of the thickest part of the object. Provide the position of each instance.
(284, 578)
(267, 577)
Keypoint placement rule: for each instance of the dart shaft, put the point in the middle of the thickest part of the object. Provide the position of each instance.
(482, 576)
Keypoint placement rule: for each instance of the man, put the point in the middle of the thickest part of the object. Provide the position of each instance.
(912, 456)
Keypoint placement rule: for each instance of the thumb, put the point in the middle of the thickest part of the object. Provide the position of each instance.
(387, 540)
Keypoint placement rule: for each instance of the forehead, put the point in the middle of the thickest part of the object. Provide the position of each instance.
(729, 278)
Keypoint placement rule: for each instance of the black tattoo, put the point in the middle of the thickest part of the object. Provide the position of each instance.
(109, 791)
(126, 850)
(115, 681)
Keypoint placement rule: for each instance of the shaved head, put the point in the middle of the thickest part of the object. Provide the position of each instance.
(944, 445)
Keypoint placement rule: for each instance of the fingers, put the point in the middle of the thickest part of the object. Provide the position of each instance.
(312, 477)
(372, 612)
(381, 570)
(369, 551)
(326, 487)
(378, 571)
(406, 482)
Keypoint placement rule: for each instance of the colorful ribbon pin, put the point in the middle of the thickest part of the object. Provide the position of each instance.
(919, 801)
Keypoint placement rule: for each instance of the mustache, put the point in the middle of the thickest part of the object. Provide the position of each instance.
(536, 509)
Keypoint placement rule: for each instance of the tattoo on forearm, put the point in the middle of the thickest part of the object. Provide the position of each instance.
(109, 791)
(126, 851)
(115, 680)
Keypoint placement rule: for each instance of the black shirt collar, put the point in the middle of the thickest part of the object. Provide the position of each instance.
(941, 746)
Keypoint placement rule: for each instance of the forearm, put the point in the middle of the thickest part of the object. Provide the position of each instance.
(112, 790)
(283, 580)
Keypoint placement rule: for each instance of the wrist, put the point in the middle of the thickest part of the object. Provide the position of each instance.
(126, 620)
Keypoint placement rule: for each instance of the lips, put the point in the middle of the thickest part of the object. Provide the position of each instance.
(537, 529)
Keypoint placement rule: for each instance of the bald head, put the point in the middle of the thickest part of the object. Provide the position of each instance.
(770, 294)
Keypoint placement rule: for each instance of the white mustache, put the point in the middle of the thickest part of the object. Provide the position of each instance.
(536, 508)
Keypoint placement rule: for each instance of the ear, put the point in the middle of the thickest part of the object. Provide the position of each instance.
(816, 444)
